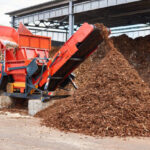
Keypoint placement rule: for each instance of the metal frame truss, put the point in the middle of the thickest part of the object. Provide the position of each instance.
(62, 11)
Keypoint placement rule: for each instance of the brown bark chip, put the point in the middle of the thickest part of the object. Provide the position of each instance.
(114, 100)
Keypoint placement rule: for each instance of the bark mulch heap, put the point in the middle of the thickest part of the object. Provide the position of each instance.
(114, 102)
(137, 52)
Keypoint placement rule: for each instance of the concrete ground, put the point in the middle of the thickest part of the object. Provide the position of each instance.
(19, 132)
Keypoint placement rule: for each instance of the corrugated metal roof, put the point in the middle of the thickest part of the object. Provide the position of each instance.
(39, 7)
(43, 6)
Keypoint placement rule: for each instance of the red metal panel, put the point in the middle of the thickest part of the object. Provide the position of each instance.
(43, 53)
(11, 64)
(34, 41)
(24, 41)
(8, 33)
(31, 53)
(10, 55)
(23, 30)
(21, 54)
(19, 77)
(45, 44)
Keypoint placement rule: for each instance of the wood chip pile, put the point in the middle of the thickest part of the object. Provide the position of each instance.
(113, 99)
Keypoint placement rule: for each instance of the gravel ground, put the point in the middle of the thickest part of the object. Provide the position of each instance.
(25, 133)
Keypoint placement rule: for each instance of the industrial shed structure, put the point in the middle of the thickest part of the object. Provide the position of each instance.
(57, 18)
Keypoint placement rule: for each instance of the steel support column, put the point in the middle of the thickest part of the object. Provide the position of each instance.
(13, 21)
(71, 18)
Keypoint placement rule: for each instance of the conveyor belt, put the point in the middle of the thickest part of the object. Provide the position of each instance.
(84, 49)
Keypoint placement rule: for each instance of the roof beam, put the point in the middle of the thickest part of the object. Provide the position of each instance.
(62, 9)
